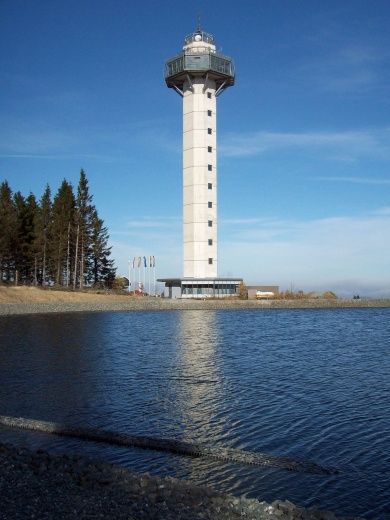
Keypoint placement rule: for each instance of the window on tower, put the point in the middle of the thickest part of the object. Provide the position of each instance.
(209, 113)
(210, 261)
(209, 186)
(209, 95)
(210, 167)
(209, 149)
(210, 241)
(209, 204)
(210, 223)
(209, 131)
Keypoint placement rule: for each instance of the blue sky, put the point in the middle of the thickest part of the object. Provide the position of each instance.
(303, 136)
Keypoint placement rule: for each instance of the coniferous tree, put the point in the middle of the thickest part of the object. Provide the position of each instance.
(103, 270)
(83, 226)
(8, 229)
(23, 249)
(17, 249)
(62, 231)
(43, 231)
(45, 241)
(30, 237)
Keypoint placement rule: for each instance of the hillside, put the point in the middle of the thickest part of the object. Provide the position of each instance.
(35, 295)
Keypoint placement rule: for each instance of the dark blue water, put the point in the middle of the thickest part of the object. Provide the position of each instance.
(312, 384)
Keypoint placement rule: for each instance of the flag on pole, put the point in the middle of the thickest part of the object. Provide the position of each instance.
(144, 261)
(150, 261)
(133, 262)
(154, 261)
(139, 262)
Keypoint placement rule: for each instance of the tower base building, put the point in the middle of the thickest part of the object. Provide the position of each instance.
(199, 74)
(201, 288)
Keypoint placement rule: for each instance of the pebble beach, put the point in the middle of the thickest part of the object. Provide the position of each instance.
(51, 487)
(21, 300)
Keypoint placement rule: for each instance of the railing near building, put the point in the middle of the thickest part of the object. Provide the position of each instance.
(199, 36)
(209, 61)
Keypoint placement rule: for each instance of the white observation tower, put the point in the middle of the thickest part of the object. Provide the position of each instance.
(200, 74)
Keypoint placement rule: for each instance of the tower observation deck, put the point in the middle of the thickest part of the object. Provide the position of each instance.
(199, 74)
(199, 58)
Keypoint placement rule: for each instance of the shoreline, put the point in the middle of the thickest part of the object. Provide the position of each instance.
(35, 484)
(123, 303)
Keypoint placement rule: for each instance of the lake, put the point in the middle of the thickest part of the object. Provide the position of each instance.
(309, 384)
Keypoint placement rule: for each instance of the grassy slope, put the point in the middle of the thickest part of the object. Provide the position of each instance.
(33, 294)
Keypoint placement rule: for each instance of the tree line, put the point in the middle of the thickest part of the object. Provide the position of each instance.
(59, 241)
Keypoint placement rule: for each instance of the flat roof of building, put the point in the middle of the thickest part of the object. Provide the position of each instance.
(178, 281)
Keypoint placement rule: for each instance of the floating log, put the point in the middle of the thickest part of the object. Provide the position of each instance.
(168, 445)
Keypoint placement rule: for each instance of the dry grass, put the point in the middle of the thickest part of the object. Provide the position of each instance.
(33, 294)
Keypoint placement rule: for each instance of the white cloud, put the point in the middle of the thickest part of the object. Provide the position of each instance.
(338, 252)
(93, 157)
(355, 180)
(166, 250)
(347, 145)
(154, 222)
(43, 139)
(241, 221)
(149, 235)
(353, 69)
(382, 211)
(346, 254)
(39, 141)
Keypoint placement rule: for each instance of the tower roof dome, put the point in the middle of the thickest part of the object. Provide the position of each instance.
(199, 36)
(199, 57)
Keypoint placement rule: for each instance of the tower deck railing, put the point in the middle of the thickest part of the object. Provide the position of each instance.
(200, 61)
(204, 37)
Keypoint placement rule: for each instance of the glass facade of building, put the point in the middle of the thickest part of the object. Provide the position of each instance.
(215, 289)
(201, 288)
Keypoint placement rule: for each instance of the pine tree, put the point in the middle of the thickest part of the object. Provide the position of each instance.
(103, 270)
(83, 227)
(43, 227)
(23, 250)
(45, 241)
(8, 229)
(62, 230)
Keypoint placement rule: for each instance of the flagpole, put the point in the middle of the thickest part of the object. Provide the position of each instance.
(134, 275)
(150, 258)
(129, 276)
(139, 272)
(144, 287)
(154, 275)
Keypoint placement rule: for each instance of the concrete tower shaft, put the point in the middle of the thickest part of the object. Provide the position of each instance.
(200, 258)
(199, 74)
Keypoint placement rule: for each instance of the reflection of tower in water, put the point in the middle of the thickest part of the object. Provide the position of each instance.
(200, 392)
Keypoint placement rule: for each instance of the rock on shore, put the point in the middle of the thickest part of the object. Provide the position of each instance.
(47, 487)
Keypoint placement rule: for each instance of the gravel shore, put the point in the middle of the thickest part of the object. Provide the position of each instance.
(47, 487)
(163, 304)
